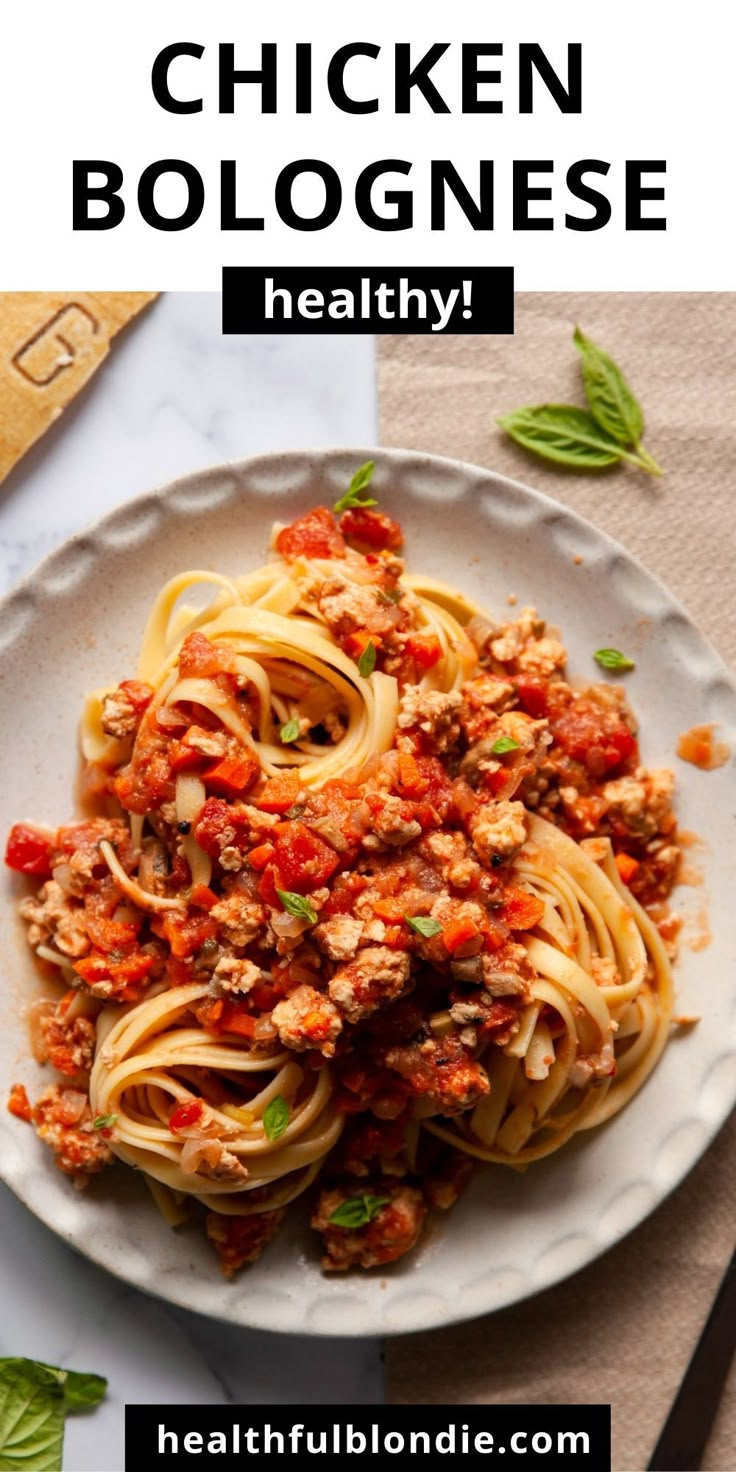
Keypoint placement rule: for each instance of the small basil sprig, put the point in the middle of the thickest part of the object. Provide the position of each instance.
(425, 925)
(612, 400)
(298, 905)
(104, 1121)
(353, 496)
(358, 1211)
(608, 431)
(276, 1116)
(367, 661)
(613, 659)
(290, 731)
(504, 744)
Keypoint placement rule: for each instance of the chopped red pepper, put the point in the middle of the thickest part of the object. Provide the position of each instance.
(186, 1114)
(532, 694)
(303, 859)
(424, 649)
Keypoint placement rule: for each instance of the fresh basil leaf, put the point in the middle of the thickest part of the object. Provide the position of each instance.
(34, 1398)
(276, 1116)
(104, 1121)
(611, 400)
(290, 731)
(504, 744)
(565, 434)
(360, 480)
(367, 661)
(298, 905)
(31, 1416)
(358, 1211)
(82, 1392)
(425, 925)
(613, 659)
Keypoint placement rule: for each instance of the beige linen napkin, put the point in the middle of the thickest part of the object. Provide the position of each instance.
(623, 1329)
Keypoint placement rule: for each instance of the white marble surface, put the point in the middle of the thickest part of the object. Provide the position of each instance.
(174, 395)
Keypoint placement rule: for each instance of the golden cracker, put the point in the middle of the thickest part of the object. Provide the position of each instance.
(50, 345)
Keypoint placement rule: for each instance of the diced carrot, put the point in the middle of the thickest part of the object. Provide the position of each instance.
(354, 644)
(18, 1103)
(233, 775)
(627, 866)
(260, 856)
(280, 793)
(412, 781)
(234, 1020)
(521, 910)
(457, 932)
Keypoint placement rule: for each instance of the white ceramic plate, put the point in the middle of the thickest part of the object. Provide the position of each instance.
(76, 623)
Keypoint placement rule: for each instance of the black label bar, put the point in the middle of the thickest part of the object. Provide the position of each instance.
(364, 1438)
(350, 299)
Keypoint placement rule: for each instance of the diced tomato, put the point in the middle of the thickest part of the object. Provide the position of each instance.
(199, 658)
(220, 825)
(108, 934)
(439, 790)
(458, 932)
(203, 897)
(146, 782)
(532, 693)
(313, 535)
(138, 694)
(521, 910)
(304, 860)
(424, 649)
(594, 737)
(364, 526)
(178, 973)
(280, 793)
(413, 782)
(28, 850)
(18, 1103)
(627, 866)
(186, 1114)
